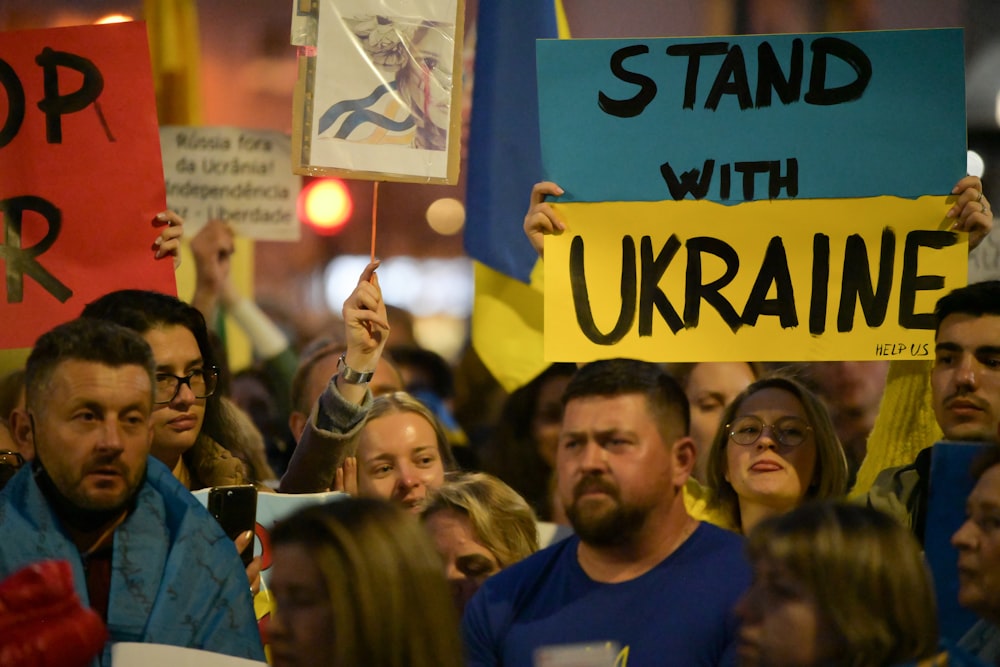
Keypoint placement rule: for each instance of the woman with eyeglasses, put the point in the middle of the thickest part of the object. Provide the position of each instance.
(190, 421)
(775, 449)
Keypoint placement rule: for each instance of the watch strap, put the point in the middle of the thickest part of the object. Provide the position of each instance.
(351, 376)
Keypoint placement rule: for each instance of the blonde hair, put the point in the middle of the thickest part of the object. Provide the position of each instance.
(865, 573)
(402, 402)
(502, 520)
(830, 476)
(387, 593)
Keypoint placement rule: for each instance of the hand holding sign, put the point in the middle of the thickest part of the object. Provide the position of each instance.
(168, 243)
(972, 210)
(541, 219)
(366, 325)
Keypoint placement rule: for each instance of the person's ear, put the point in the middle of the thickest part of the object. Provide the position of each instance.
(22, 428)
(685, 453)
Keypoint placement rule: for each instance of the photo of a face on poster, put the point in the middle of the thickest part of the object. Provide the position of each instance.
(384, 99)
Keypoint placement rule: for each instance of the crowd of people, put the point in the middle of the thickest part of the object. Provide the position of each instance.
(707, 513)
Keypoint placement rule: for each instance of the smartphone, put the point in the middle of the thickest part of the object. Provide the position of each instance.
(235, 508)
(10, 463)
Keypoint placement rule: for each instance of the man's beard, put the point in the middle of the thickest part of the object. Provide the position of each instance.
(604, 526)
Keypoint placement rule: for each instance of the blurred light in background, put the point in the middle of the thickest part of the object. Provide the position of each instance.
(325, 205)
(438, 292)
(425, 287)
(975, 165)
(113, 18)
(446, 216)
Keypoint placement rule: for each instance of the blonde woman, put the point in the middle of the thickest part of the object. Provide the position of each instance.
(357, 582)
(479, 526)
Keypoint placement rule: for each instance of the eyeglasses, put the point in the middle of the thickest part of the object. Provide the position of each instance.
(789, 431)
(201, 382)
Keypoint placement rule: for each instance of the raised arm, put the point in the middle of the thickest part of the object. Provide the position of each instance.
(366, 328)
(213, 247)
(338, 416)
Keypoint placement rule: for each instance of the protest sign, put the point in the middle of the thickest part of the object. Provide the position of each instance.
(80, 173)
(379, 93)
(271, 507)
(782, 129)
(135, 654)
(238, 175)
(769, 281)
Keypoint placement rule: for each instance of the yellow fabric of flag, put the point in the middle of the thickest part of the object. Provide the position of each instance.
(507, 313)
(175, 51)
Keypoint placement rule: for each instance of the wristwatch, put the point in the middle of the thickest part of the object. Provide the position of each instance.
(351, 376)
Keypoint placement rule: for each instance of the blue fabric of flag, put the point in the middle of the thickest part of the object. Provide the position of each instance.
(504, 149)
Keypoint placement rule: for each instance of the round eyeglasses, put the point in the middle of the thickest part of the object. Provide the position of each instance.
(788, 431)
(202, 383)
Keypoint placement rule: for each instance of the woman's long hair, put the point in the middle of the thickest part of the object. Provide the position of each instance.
(387, 593)
(865, 573)
(830, 477)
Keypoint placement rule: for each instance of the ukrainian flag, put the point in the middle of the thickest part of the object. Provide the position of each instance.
(504, 163)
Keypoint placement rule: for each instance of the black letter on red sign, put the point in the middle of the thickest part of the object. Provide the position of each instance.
(54, 105)
(22, 260)
(15, 103)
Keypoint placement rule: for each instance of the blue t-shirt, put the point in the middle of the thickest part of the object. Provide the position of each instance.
(678, 613)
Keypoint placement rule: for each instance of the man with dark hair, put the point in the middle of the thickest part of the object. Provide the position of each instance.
(966, 378)
(144, 553)
(194, 431)
(965, 395)
(640, 574)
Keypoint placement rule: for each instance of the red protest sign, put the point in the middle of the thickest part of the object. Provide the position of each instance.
(81, 176)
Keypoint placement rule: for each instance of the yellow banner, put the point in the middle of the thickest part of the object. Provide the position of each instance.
(791, 280)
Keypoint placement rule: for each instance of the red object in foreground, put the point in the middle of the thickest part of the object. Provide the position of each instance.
(43, 623)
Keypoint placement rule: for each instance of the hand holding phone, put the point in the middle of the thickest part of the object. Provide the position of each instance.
(235, 508)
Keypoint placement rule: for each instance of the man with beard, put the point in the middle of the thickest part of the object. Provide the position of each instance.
(145, 555)
(641, 581)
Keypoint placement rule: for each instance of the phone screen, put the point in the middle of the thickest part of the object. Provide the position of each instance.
(235, 508)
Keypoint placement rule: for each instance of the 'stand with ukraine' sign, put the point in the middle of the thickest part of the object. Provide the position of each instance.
(773, 197)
